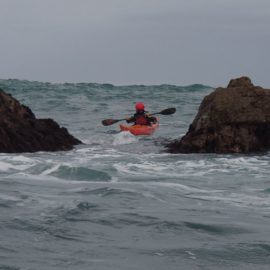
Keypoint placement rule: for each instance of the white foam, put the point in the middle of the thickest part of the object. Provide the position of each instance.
(95, 140)
(161, 169)
(51, 170)
(5, 167)
(17, 163)
(124, 137)
(236, 199)
(21, 159)
(243, 161)
(90, 154)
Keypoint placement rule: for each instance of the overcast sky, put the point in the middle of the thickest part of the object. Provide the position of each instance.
(135, 41)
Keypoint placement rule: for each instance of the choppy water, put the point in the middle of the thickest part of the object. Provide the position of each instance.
(121, 202)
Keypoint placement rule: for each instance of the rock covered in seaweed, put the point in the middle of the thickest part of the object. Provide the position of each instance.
(235, 119)
(21, 131)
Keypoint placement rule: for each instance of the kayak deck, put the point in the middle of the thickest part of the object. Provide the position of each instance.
(140, 129)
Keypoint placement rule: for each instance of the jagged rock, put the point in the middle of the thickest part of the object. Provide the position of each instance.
(21, 131)
(235, 119)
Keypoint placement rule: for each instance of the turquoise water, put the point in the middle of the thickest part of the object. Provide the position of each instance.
(122, 202)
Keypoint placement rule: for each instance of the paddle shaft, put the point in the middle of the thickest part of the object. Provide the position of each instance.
(108, 122)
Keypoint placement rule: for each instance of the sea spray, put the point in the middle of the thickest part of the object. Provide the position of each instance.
(124, 137)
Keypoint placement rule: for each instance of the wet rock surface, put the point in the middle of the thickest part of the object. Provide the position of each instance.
(235, 119)
(21, 131)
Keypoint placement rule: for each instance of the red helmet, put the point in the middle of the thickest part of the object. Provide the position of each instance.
(139, 106)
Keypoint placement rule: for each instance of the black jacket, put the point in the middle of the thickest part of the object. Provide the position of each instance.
(141, 118)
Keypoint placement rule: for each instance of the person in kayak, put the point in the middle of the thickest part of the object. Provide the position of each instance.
(141, 117)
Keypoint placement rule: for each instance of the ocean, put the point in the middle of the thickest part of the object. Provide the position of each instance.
(122, 202)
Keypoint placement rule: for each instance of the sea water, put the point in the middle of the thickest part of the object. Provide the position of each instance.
(122, 202)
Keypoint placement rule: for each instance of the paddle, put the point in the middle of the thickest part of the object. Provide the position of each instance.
(108, 122)
(166, 111)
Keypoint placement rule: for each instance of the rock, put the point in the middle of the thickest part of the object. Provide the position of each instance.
(235, 119)
(21, 131)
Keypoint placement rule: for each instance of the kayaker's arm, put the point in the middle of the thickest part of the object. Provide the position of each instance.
(130, 119)
(152, 119)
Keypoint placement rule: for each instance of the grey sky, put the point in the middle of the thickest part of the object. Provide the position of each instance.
(135, 41)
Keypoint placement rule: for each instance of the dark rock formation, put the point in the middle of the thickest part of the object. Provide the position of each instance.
(20, 131)
(235, 119)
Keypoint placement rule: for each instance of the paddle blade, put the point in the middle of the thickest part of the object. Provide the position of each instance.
(108, 122)
(168, 111)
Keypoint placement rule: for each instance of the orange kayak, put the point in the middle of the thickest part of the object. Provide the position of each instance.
(140, 129)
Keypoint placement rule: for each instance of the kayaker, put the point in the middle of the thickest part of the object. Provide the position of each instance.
(141, 117)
